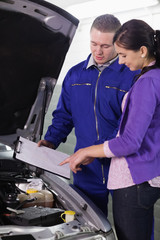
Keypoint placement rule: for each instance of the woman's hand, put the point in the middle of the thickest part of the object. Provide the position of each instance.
(83, 156)
(76, 159)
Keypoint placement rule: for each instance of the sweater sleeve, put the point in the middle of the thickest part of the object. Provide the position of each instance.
(136, 118)
(107, 150)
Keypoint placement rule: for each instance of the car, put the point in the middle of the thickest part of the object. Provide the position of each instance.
(35, 38)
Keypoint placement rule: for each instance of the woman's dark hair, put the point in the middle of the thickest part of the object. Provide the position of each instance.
(136, 33)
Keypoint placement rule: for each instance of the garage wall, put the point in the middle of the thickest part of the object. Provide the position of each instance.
(79, 50)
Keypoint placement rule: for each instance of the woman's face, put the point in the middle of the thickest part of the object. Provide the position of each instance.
(134, 60)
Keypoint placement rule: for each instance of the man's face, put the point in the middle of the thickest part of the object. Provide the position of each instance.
(101, 46)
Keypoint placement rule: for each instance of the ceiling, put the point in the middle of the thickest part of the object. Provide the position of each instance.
(123, 9)
(66, 3)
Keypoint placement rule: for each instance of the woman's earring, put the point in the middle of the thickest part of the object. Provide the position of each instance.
(142, 56)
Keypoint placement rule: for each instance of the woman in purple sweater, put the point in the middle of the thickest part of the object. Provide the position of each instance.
(135, 166)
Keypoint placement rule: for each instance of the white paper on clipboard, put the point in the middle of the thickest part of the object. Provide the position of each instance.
(42, 157)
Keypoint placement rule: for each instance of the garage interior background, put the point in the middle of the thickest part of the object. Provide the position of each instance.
(86, 11)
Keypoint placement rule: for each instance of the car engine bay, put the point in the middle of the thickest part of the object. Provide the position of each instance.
(32, 201)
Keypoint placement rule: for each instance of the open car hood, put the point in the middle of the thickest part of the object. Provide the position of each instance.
(35, 38)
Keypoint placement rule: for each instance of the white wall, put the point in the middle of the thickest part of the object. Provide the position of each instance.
(79, 48)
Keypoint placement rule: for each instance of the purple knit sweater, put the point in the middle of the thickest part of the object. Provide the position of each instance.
(139, 139)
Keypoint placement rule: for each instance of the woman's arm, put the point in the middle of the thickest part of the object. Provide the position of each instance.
(86, 155)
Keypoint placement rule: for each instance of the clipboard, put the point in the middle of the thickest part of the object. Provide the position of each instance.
(42, 157)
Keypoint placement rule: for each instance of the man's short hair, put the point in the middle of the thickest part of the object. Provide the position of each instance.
(106, 23)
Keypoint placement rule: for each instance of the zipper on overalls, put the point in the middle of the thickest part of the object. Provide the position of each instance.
(95, 99)
(104, 180)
